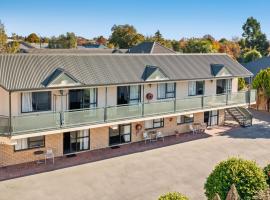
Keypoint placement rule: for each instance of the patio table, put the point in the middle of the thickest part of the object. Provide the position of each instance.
(153, 135)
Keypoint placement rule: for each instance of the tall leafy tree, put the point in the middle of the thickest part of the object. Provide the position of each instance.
(125, 36)
(67, 41)
(3, 37)
(253, 38)
(198, 46)
(262, 83)
(33, 38)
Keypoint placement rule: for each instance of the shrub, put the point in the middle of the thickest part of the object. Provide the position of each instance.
(266, 171)
(173, 196)
(246, 175)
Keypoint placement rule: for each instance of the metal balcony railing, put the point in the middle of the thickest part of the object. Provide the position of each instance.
(58, 120)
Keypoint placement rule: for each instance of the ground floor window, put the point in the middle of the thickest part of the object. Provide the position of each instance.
(76, 141)
(120, 134)
(30, 143)
(211, 118)
(185, 119)
(156, 123)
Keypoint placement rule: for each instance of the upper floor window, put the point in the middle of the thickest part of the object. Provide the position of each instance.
(165, 90)
(30, 143)
(128, 94)
(86, 98)
(195, 88)
(35, 101)
(224, 86)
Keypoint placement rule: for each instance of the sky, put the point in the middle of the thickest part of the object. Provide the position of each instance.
(174, 18)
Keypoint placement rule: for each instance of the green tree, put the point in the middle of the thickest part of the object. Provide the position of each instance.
(173, 196)
(261, 82)
(3, 37)
(266, 171)
(13, 47)
(175, 45)
(253, 36)
(198, 46)
(67, 41)
(247, 176)
(125, 36)
(251, 55)
(32, 38)
(241, 83)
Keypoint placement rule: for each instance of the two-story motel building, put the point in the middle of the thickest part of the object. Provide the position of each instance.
(78, 102)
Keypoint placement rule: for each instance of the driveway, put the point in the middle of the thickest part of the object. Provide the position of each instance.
(146, 175)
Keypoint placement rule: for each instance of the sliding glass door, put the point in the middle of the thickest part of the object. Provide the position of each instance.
(76, 141)
(211, 118)
(120, 134)
(224, 86)
(86, 98)
(128, 94)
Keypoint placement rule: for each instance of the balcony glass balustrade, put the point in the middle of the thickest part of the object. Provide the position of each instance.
(57, 120)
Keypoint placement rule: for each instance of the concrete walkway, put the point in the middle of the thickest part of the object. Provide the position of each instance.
(146, 175)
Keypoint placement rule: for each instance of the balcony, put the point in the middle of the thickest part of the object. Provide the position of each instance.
(30, 123)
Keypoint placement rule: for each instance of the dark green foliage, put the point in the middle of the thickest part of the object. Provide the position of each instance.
(67, 41)
(173, 196)
(266, 171)
(198, 46)
(251, 55)
(246, 175)
(253, 36)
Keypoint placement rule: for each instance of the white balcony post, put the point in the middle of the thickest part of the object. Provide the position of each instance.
(142, 99)
(9, 110)
(105, 107)
(249, 90)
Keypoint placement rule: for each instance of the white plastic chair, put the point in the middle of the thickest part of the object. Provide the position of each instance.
(49, 154)
(191, 127)
(160, 135)
(146, 137)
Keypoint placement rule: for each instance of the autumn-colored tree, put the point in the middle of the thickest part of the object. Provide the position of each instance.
(32, 38)
(216, 197)
(125, 36)
(231, 48)
(101, 40)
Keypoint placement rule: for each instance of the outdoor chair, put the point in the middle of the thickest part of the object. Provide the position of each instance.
(49, 155)
(146, 137)
(191, 127)
(160, 135)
